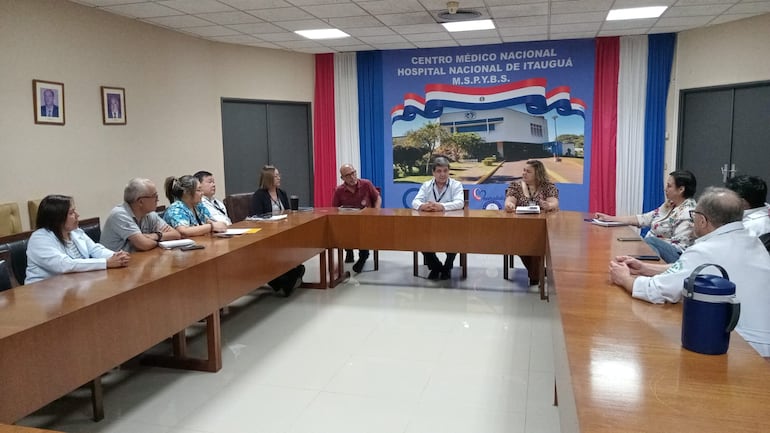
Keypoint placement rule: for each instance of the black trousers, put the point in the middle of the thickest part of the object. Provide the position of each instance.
(288, 279)
(362, 254)
(435, 265)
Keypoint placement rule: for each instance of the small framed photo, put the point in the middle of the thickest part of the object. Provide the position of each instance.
(113, 105)
(48, 102)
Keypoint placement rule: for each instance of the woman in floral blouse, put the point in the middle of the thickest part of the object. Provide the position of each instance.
(534, 188)
(670, 224)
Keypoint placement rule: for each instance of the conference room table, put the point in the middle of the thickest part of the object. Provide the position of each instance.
(619, 365)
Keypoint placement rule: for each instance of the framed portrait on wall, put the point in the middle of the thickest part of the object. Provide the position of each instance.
(113, 105)
(48, 102)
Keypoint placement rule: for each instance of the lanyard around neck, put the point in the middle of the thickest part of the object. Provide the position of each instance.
(438, 199)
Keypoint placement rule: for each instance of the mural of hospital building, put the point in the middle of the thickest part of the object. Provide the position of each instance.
(514, 135)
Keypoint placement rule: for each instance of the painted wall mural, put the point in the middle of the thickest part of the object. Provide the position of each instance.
(489, 108)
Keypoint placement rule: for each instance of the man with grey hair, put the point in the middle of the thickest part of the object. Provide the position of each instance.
(439, 194)
(134, 225)
(721, 239)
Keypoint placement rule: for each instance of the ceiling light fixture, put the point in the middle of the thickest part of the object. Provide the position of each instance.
(323, 34)
(454, 13)
(464, 26)
(636, 13)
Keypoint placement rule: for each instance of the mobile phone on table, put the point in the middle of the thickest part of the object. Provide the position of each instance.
(646, 257)
(629, 238)
(192, 247)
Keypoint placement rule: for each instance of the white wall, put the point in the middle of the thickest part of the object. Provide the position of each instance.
(730, 53)
(173, 84)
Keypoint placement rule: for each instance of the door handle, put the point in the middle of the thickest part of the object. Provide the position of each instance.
(726, 174)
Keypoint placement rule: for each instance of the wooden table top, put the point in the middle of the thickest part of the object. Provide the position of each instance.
(60, 333)
(624, 360)
(619, 362)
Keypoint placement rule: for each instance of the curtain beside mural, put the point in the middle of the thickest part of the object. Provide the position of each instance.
(346, 107)
(659, 61)
(632, 85)
(324, 149)
(371, 116)
(604, 136)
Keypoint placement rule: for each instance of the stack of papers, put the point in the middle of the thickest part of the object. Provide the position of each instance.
(528, 209)
(607, 223)
(235, 232)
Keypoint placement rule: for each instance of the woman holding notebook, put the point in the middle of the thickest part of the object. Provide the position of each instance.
(670, 224)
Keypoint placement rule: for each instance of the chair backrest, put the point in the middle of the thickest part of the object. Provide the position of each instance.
(10, 220)
(160, 210)
(765, 238)
(92, 228)
(13, 249)
(32, 206)
(5, 275)
(466, 198)
(238, 206)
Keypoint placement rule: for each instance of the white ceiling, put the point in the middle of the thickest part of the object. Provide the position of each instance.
(397, 24)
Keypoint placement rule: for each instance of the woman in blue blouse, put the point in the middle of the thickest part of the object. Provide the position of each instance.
(186, 213)
(58, 246)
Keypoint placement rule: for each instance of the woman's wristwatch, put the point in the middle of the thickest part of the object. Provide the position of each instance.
(160, 236)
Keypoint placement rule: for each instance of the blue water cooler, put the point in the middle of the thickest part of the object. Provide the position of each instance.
(710, 311)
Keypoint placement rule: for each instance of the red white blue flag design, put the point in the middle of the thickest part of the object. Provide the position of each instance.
(532, 93)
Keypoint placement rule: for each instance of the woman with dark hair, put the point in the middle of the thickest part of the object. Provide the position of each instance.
(269, 198)
(186, 213)
(58, 246)
(670, 224)
(534, 188)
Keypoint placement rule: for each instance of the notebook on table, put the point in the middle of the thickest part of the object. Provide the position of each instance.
(528, 209)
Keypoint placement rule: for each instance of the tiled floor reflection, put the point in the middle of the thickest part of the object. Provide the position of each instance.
(384, 352)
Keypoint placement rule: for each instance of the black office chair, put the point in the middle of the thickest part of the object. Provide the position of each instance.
(16, 248)
(92, 228)
(239, 206)
(5, 276)
(765, 238)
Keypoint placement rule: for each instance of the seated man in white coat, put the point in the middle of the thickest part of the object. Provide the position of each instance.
(438, 195)
(721, 239)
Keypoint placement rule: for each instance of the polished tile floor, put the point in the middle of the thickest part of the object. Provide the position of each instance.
(384, 352)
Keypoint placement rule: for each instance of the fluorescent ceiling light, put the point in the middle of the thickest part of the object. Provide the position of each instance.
(636, 13)
(323, 34)
(464, 26)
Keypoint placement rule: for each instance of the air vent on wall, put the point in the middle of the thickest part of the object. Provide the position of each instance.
(454, 13)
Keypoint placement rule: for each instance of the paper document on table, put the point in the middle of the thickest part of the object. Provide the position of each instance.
(176, 243)
(599, 222)
(528, 209)
(267, 217)
(235, 232)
